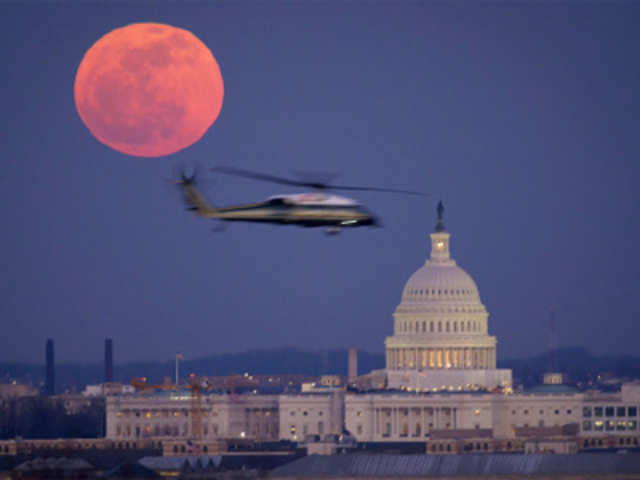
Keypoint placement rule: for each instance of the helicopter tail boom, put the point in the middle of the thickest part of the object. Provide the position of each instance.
(196, 201)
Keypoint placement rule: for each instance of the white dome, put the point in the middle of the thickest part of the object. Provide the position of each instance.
(440, 283)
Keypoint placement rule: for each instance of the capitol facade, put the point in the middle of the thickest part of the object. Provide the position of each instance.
(438, 388)
(440, 337)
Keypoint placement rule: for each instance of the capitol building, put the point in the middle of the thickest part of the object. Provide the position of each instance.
(440, 330)
(440, 388)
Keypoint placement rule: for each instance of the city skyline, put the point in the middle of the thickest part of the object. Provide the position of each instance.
(519, 117)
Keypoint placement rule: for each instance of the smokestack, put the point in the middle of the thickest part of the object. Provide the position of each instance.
(353, 365)
(50, 384)
(108, 360)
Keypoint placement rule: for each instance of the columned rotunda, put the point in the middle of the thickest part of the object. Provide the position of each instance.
(440, 336)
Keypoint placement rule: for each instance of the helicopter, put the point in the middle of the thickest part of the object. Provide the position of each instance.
(312, 209)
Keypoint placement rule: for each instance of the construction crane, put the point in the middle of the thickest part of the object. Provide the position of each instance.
(197, 386)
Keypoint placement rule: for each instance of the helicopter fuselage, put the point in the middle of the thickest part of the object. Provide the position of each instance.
(306, 210)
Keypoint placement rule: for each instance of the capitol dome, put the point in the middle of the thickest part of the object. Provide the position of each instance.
(440, 283)
(441, 324)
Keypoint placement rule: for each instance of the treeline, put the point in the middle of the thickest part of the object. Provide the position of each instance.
(44, 417)
(578, 363)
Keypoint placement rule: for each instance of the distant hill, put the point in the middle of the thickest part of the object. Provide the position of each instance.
(276, 361)
(578, 363)
(580, 366)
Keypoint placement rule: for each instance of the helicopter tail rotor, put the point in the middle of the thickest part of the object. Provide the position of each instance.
(188, 181)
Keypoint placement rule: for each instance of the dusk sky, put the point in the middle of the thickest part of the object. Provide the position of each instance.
(523, 117)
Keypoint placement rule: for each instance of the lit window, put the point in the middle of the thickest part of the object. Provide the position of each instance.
(476, 411)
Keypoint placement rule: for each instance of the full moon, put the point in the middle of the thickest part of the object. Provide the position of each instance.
(148, 89)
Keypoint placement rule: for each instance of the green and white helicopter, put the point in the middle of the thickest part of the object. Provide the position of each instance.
(313, 209)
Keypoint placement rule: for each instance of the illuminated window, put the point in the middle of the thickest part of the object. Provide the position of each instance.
(439, 358)
(432, 362)
(476, 411)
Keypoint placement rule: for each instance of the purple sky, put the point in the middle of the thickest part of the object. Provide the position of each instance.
(522, 117)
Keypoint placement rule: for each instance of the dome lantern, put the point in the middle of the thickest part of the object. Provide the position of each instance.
(440, 241)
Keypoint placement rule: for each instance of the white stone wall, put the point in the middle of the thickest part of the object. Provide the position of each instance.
(605, 414)
(410, 418)
(169, 416)
(374, 417)
(534, 410)
(310, 414)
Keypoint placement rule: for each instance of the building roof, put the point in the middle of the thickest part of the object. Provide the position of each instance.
(355, 465)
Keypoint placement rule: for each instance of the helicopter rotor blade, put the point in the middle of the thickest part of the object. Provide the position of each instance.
(239, 172)
(379, 189)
